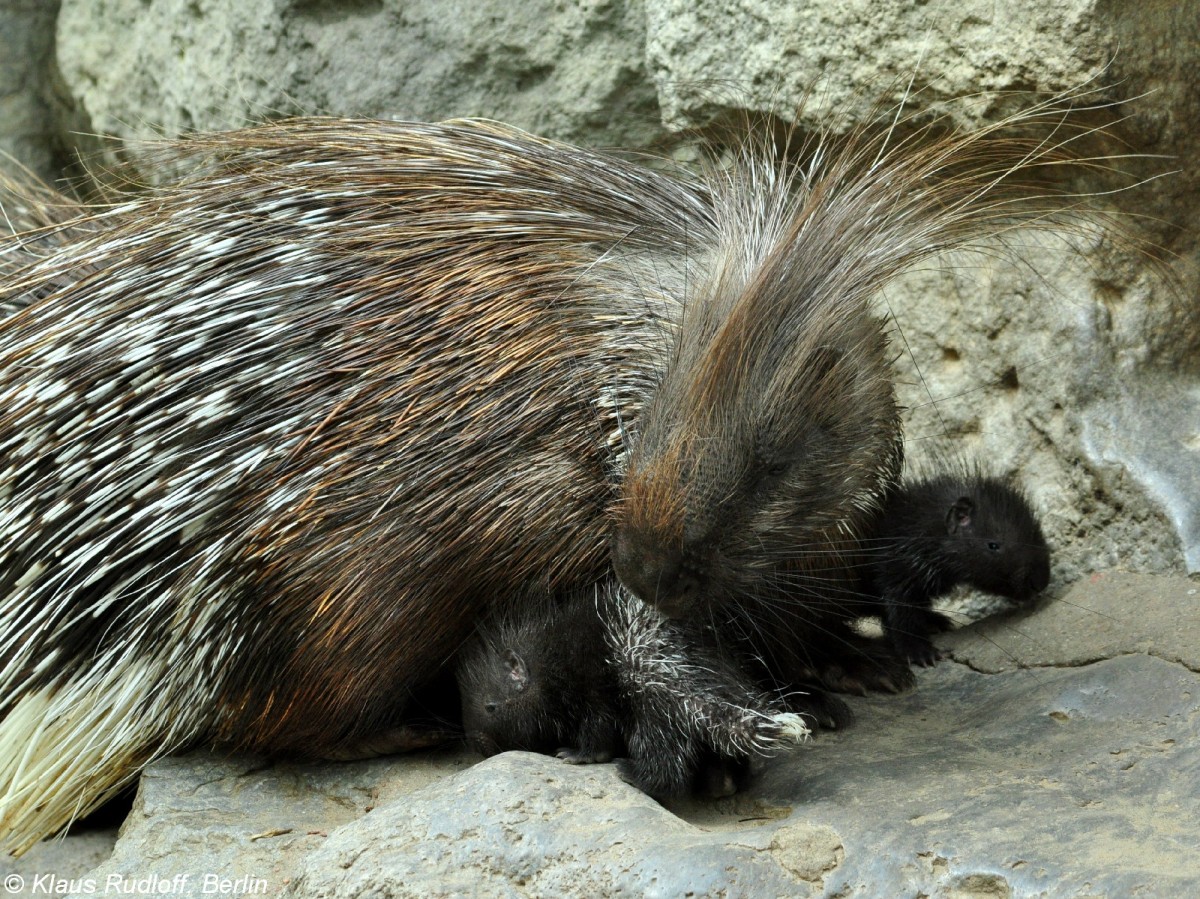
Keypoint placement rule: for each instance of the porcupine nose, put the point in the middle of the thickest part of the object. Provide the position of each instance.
(1039, 574)
(660, 579)
(1030, 578)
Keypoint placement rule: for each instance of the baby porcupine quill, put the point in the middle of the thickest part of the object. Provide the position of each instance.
(271, 432)
(600, 675)
(957, 526)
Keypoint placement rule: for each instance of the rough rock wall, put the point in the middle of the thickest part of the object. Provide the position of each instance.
(1077, 367)
(574, 70)
(27, 126)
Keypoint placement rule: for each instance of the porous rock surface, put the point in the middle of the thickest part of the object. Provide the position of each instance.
(569, 70)
(26, 48)
(1078, 368)
(1056, 753)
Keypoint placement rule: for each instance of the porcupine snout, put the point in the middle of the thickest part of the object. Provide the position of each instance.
(665, 577)
(1033, 576)
(668, 535)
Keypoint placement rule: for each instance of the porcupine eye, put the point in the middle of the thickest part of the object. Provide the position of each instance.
(765, 475)
(993, 546)
(768, 463)
(773, 462)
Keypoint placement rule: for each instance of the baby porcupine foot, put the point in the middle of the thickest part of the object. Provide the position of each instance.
(921, 651)
(866, 675)
(585, 756)
(938, 622)
(404, 738)
(866, 664)
(599, 740)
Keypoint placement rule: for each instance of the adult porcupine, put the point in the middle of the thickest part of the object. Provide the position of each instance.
(271, 432)
(602, 674)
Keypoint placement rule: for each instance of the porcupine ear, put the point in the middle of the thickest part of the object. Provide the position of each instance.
(823, 361)
(959, 516)
(517, 672)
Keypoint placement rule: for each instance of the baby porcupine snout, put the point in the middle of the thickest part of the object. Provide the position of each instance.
(1037, 578)
(1031, 573)
(1007, 554)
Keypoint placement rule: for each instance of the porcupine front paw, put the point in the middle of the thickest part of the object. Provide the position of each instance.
(785, 728)
(818, 709)
(763, 734)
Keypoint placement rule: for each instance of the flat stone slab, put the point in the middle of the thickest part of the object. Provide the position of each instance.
(1050, 781)
(1102, 616)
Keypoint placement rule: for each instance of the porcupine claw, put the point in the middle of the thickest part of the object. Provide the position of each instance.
(792, 727)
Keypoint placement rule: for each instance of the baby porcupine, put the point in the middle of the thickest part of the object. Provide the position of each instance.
(944, 529)
(538, 677)
(276, 433)
(602, 674)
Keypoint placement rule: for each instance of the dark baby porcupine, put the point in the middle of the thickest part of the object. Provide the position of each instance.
(537, 677)
(936, 532)
(276, 433)
(600, 675)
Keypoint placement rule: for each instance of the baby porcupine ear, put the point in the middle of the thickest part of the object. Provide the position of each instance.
(959, 516)
(517, 672)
